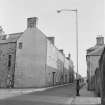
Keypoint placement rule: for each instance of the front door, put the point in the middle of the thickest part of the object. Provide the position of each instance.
(53, 78)
(10, 75)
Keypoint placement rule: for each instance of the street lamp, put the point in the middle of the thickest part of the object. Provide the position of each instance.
(76, 23)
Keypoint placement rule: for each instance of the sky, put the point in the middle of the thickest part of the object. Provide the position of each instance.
(14, 14)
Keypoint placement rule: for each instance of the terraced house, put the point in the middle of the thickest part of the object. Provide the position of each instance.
(93, 57)
(34, 60)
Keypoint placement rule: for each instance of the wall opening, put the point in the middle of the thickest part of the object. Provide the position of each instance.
(9, 61)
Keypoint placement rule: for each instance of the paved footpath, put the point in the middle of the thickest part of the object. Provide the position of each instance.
(86, 98)
(63, 95)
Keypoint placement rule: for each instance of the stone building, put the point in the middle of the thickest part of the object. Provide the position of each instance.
(7, 61)
(37, 62)
(92, 58)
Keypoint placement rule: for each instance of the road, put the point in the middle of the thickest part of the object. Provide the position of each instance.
(55, 96)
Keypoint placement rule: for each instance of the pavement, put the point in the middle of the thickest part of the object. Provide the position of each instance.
(86, 98)
(60, 95)
(86, 101)
(7, 93)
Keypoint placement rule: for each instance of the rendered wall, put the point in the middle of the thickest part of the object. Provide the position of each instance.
(92, 64)
(60, 66)
(31, 59)
(66, 70)
(51, 65)
(98, 82)
(102, 69)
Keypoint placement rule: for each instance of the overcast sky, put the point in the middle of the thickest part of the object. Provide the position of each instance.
(13, 15)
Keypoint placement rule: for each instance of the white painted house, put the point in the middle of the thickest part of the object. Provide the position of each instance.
(38, 62)
(31, 57)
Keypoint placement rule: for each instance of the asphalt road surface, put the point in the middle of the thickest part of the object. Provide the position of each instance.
(54, 96)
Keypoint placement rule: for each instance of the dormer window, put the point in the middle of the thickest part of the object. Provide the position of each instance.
(20, 45)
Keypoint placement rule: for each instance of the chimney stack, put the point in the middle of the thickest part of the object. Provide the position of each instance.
(1, 31)
(61, 50)
(68, 57)
(32, 22)
(52, 40)
(100, 40)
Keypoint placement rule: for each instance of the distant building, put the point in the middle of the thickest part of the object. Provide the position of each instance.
(37, 62)
(92, 58)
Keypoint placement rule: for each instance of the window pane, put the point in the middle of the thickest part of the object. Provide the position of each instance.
(20, 45)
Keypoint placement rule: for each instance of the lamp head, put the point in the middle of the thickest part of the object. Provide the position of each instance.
(58, 11)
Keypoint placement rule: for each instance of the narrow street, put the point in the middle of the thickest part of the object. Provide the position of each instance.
(54, 96)
(63, 95)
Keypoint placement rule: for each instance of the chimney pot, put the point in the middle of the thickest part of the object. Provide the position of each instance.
(61, 50)
(100, 40)
(69, 55)
(32, 22)
(52, 40)
(1, 31)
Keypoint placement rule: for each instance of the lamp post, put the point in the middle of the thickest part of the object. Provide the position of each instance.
(76, 24)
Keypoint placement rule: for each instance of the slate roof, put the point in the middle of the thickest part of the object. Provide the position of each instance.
(15, 36)
(93, 48)
(97, 52)
(11, 37)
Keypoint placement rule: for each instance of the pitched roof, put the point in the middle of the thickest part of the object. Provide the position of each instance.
(93, 48)
(15, 36)
(11, 37)
(97, 52)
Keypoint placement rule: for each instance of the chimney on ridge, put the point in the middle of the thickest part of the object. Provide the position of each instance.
(52, 40)
(32, 22)
(100, 40)
(61, 50)
(68, 56)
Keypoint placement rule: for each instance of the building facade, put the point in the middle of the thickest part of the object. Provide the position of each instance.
(102, 77)
(37, 61)
(7, 61)
(92, 58)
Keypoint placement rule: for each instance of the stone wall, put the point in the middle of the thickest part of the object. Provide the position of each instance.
(7, 64)
(92, 64)
(102, 70)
